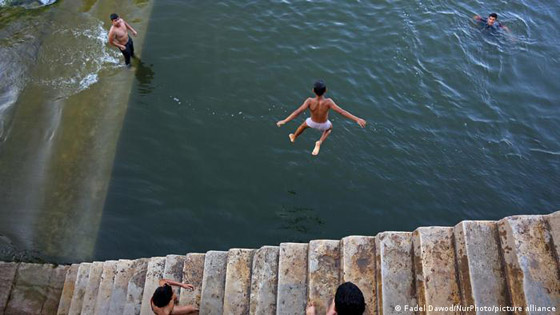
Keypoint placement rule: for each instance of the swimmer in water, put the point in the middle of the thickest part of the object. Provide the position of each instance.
(319, 107)
(118, 37)
(491, 23)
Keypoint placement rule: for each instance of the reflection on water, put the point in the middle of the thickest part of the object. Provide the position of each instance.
(144, 76)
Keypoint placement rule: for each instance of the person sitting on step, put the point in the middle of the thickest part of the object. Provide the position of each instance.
(348, 300)
(164, 300)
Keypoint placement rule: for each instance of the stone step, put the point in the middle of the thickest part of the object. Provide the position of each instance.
(105, 287)
(395, 272)
(92, 288)
(238, 281)
(323, 272)
(124, 271)
(54, 292)
(531, 265)
(30, 289)
(264, 280)
(292, 279)
(7, 275)
(174, 265)
(213, 283)
(481, 271)
(68, 290)
(79, 289)
(136, 287)
(358, 267)
(553, 220)
(434, 264)
(154, 273)
(193, 272)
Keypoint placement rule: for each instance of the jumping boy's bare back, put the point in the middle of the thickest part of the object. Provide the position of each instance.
(319, 107)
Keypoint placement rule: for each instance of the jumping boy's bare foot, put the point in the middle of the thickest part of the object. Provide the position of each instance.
(317, 148)
(292, 137)
(310, 310)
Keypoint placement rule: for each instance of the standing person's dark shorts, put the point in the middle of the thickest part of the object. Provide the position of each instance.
(129, 51)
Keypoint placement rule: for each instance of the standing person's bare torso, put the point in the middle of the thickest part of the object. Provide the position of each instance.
(319, 108)
(120, 33)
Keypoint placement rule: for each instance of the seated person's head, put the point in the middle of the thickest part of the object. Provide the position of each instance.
(349, 300)
(162, 296)
(319, 87)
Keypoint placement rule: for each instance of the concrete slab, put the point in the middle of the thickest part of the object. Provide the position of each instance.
(92, 288)
(481, 272)
(213, 283)
(264, 280)
(54, 291)
(395, 272)
(193, 272)
(292, 278)
(30, 287)
(238, 281)
(434, 264)
(68, 290)
(124, 271)
(174, 265)
(553, 220)
(105, 287)
(136, 287)
(80, 289)
(358, 267)
(154, 273)
(323, 272)
(530, 258)
(7, 275)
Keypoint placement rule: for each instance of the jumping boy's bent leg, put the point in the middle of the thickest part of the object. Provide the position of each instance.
(324, 136)
(300, 129)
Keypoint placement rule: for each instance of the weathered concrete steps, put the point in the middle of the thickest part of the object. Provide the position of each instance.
(504, 267)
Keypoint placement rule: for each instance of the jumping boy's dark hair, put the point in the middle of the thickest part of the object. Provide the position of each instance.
(349, 300)
(319, 87)
(162, 295)
(494, 15)
(114, 16)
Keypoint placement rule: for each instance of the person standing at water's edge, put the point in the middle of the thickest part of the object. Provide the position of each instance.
(319, 107)
(118, 36)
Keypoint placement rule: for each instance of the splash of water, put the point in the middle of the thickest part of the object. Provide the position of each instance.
(29, 4)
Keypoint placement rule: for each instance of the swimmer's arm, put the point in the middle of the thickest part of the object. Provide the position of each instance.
(477, 17)
(112, 40)
(505, 28)
(175, 283)
(346, 114)
(295, 113)
(130, 28)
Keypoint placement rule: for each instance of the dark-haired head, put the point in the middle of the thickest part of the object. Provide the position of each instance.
(349, 300)
(162, 295)
(494, 15)
(319, 87)
(113, 16)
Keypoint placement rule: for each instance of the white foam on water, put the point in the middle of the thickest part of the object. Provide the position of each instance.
(29, 4)
(81, 65)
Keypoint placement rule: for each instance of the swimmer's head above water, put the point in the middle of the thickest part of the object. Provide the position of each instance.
(319, 87)
(492, 17)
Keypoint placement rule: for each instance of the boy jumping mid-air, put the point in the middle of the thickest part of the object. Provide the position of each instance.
(319, 107)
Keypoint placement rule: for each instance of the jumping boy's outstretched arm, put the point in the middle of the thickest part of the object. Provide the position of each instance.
(346, 114)
(295, 113)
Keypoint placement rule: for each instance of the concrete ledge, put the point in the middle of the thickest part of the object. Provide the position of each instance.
(292, 279)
